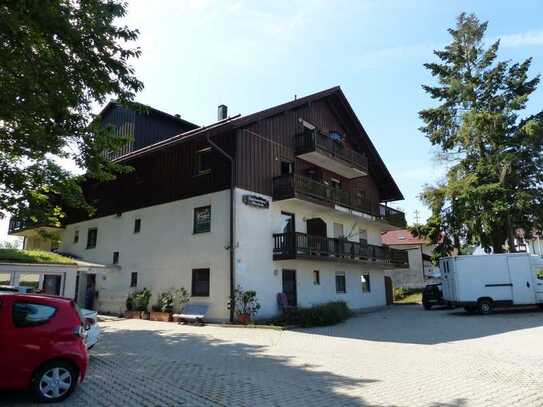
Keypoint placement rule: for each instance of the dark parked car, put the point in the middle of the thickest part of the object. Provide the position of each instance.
(432, 295)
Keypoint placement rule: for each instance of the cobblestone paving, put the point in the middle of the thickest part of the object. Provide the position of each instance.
(401, 356)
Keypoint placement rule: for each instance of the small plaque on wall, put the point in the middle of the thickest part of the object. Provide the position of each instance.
(256, 201)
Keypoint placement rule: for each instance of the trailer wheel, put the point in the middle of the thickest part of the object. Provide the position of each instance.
(485, 307)
(427, 306)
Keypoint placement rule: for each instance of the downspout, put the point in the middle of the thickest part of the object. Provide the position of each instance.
(232, 212)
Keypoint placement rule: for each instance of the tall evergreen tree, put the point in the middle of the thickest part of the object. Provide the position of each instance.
(494, 183)
(58, 59)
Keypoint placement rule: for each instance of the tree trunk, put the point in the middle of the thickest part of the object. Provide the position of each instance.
(510, 235)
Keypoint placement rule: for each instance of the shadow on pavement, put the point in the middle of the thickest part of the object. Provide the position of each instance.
(412, 324)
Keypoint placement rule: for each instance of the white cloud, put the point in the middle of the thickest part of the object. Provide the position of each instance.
(529, 38)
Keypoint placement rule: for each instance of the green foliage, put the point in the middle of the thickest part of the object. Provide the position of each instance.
(58, 59)
(32, 256)
(494, 182)
(138, 300)
(246, 302)
(172, 300)
(320, 315)
(407, 296)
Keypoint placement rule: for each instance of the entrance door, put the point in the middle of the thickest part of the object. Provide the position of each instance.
(51, 284)
(90, 291)
(389, 290)
(289, 287)
(521, 278)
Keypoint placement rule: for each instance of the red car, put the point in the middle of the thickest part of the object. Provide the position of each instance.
(41, 345)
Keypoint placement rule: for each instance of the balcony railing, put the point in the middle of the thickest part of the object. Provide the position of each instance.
(301, 245)
(292, 185)
(313, 140)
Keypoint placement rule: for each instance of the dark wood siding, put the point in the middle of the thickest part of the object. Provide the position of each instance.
(160, 177)
(262, 145)
(145, 128)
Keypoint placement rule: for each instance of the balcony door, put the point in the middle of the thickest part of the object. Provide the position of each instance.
(317, 236)
(288, 240)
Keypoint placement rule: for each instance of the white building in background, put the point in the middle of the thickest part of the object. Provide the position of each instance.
(306, 187)
(421, 270)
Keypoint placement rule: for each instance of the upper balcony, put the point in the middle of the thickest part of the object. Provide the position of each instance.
(334, 155)
(297, 186)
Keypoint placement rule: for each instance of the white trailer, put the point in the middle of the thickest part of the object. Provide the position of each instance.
(480, 283)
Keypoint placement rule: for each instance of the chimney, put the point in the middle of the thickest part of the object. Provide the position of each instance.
(222, 112)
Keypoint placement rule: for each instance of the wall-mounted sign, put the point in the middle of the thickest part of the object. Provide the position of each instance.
(256, 201)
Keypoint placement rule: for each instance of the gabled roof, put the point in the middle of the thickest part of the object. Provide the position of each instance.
(401, 237)
(387, 186)
(113, 103)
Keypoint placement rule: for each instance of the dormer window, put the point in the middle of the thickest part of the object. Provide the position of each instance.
(202, 163)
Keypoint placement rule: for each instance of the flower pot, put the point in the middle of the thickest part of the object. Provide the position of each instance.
(160, 316)
(134, 314)
(244, 319)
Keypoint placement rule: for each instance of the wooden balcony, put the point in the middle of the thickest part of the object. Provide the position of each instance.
(297, 186)
(321, 150)
(287, 246)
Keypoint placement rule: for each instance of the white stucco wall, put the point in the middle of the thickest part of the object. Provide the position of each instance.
(255, 268)
(163, 253)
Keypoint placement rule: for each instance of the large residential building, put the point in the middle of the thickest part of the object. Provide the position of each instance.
(291, 199)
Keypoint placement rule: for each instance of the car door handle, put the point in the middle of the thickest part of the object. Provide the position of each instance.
(528, 284)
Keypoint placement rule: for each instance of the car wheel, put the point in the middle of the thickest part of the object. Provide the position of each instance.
(485, 307)
(54, 381)
(427, 306)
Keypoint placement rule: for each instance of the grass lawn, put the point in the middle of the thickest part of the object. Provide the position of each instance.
(32, 256)
(409, 298)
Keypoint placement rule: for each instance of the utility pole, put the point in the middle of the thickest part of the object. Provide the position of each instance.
(417, 213)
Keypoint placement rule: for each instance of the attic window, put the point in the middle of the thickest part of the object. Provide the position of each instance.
(401, 237)
(336, 136)
(202, 164)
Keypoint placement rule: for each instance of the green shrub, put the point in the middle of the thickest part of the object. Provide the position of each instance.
(138, 300)
(320, 315)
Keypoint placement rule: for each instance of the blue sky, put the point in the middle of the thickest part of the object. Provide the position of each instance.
(252, 55)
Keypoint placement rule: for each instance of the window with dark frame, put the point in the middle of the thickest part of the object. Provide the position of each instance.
(137, 225)
(287, 167)
(366, 287)
(115, 257)
(134, 279)
(316, 277)
(76, 236)
(200, 283)
(341, 285)
(202, 219)
(202, 162)
(92, 237)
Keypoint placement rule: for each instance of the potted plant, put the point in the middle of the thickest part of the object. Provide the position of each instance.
(180, 297)
(137, 304)
(162, 311)
(247, 305)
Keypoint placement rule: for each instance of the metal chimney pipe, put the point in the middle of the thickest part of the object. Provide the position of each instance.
(222, 112)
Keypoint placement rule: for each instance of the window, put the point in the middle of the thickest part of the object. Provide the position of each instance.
(5, 278)
(76, 236)
(202, 219)
(137, 225)
(336, 184)
(365, 279)
(115, 257)
(202, 163)
(338, 230)
(287, 167)
(28, 314)
(92, 236)
(363, 237)
(200, 282)
(134, 279)
(316, 277)
(341, 286)
(540, 274)
(30, 280)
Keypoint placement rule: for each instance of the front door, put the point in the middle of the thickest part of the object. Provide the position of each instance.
(289, 287)
(521, 278)
(51, 284)
(90, 291)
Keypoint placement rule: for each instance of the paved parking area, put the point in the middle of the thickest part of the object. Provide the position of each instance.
(401, 356)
